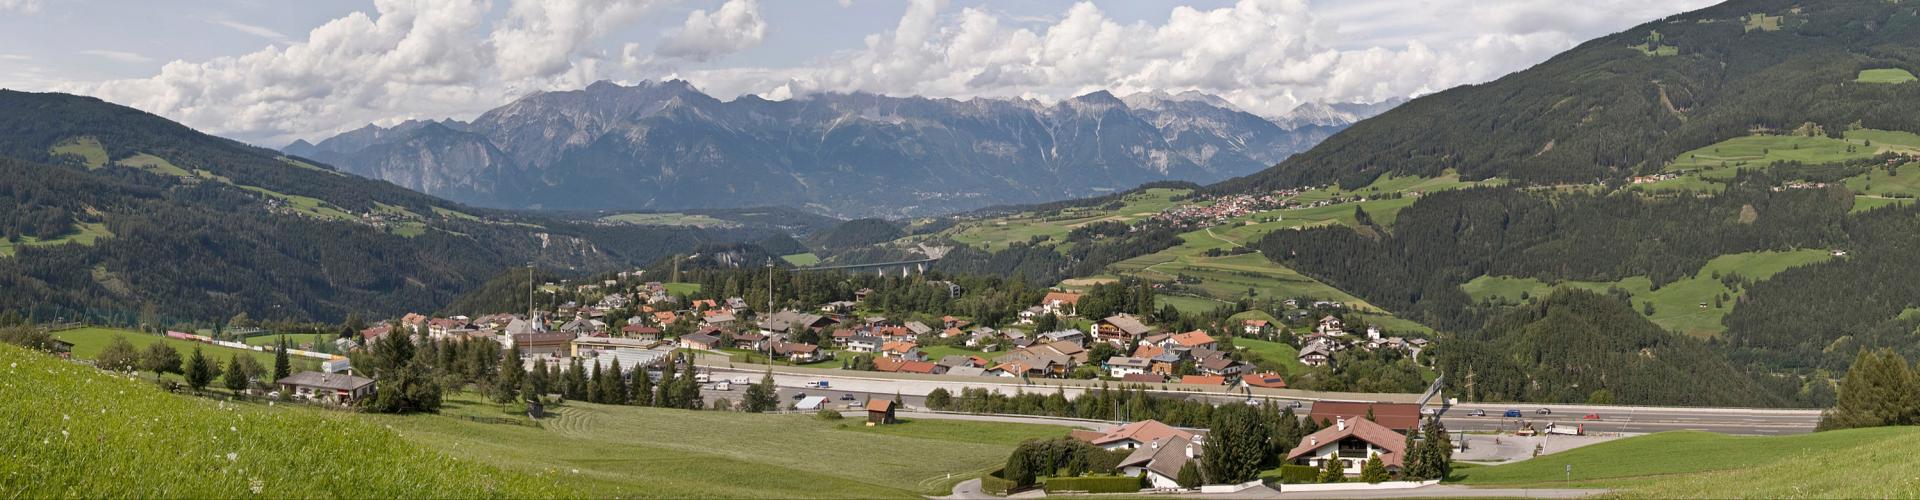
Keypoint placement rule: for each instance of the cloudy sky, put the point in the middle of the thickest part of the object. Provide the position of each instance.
(270, 71)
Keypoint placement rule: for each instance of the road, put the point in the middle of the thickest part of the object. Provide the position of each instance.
(1611, 419)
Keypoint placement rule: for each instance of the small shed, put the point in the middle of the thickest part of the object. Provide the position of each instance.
(880, 411)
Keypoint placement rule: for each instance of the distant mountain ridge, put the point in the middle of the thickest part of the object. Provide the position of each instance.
(666, 145)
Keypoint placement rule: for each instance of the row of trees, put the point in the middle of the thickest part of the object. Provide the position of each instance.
(1879, 390)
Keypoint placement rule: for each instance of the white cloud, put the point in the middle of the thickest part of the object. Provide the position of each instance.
(255, 30)
(440, 58)
(117, 55)
(407, 59)
(21, 6)
(734, 27)
(1264, 55)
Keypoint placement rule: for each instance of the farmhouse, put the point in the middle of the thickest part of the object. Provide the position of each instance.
(1351, 442)
(328, 388)
(1119, 367)
(1137, 434)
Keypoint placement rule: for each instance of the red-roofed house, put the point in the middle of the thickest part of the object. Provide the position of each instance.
(1061, 304)
(1351, 441)
(1255, 327)
(902, 350)
(1137, 434)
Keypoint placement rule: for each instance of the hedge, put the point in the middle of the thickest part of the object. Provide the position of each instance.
(993, 484)
(1094, 484)
(1299, 474)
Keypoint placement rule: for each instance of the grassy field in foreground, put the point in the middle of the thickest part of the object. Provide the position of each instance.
(1879, 463)
(88, 342)
(623, 451)
(1676, 305)
(75, 431)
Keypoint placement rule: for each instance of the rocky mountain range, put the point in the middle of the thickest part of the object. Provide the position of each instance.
(666, 145)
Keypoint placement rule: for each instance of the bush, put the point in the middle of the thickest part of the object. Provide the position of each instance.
(1094, 484)
(993, 484)
(828, 414)
(1299, 474)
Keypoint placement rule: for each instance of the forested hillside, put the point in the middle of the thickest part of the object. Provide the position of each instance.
(121, 216)
(1629, 102)
(1579, 346)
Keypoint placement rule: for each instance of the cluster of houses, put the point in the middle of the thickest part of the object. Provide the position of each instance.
(1352, 433)
(1330, 336)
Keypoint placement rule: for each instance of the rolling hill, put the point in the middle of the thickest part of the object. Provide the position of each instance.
(115, 214)
(1627, 103)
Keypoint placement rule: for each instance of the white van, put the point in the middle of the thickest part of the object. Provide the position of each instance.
(723, 386)
(700, 377)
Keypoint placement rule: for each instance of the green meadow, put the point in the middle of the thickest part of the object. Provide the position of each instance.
(1677, 305)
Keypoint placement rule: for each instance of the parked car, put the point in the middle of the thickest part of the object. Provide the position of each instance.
(1592, 416)
(1512, 414)
(1543, 411)
(1477, 413)
(799, 395)
(1295, 404)
(846, 397)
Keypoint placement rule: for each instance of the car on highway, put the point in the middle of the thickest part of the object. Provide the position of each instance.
(1477, 413)
(1592, 416)
(1429, 411)
(799, 395)
(1543, 411)
(846, 397)
(1295, 404)
(1512, 414)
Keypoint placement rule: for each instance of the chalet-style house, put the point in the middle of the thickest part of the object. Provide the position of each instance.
(1121, 329)
(908, 351)
(1135, 435)
(327, 388)
(1352, 442)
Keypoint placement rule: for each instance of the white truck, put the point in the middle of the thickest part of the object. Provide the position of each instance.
(1567, 430)
(742, 380)
(701, 377)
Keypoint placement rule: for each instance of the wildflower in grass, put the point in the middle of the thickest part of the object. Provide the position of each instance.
(256, 486)
(231, 456)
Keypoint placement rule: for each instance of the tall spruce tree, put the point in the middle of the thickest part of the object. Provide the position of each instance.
(1235, 447)
(282, 365)
(200, 371)
(1878, 390)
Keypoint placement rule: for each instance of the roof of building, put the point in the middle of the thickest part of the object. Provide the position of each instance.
(1128, 324)
(887, 364)
(1193, 339)
(1130, 362)
(917, 367)
(334, 381)
(1380, 436)
(966, 371)
(699, 338)
(1203, 380)
(1165, 459)
(1268, 380)
(1062, 297)
(1144, 431)
(1391, 415)
(899, 347)
(811, 403)
(878, 404)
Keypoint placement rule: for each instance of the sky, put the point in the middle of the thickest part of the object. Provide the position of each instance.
(271, 71)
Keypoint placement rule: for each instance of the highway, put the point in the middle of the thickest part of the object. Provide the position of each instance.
(1609, 419)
